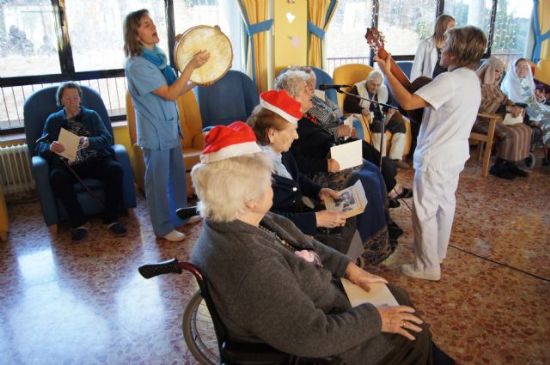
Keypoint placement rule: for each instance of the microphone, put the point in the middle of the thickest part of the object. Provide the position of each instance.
(329, 87)
(44, 138)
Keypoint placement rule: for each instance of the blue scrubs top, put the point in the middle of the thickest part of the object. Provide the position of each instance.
(156, 118)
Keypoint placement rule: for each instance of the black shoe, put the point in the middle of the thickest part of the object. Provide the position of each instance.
(394, 203)
(117, 229)
(79, 233)
(515, 170)
(502, 172)
(405, 194)
(394, 230)
(186, 213)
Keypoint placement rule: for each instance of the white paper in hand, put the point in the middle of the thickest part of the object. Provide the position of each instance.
(70, 141)
(379, 294)
(348, 154)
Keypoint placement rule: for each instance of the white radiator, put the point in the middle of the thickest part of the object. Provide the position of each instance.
(15, 172)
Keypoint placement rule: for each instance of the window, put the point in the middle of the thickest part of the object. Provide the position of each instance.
(471, 12)
(225, 14)
(28, 41)
(95, 30)
(345, 41)
(34, 52)
(404, 23)
(513, 19)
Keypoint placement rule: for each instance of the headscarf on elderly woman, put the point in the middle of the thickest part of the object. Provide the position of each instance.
(513, 141)
(519, 85)
(271, 283)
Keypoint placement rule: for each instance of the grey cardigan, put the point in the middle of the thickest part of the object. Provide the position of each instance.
(264, 292)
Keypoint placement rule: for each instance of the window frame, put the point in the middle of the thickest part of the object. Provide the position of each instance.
(66, 62)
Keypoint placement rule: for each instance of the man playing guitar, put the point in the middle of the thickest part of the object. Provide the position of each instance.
(450, 103)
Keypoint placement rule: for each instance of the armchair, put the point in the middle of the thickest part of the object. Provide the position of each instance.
(35, 110)
(193, 138)
(351, 74)
(229, 99)
(324, 78)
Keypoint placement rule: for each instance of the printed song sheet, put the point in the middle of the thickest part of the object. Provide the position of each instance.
(379, 294)
(348, 154)
(70, 141)
(352, 200)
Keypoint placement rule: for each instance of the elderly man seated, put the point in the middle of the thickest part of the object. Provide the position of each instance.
(373, 88)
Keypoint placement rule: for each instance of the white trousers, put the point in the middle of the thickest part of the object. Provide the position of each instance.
(397, 145)
(433, 214)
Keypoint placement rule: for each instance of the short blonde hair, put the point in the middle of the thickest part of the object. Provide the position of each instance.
(467, 44)
(224, 186)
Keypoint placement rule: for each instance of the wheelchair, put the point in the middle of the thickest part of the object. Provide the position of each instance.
(205, 334)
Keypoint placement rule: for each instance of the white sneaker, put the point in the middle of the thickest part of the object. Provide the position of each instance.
(174, 236)
(411, 271)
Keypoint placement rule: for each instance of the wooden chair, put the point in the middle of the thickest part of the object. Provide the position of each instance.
(485, 140)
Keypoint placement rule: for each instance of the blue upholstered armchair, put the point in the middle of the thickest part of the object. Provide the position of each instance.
(36, 109)
(324, 78)
(229, 99)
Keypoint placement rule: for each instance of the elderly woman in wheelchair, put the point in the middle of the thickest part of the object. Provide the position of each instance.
(272, 284)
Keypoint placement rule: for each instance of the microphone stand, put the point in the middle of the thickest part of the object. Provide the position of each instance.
(383, 124)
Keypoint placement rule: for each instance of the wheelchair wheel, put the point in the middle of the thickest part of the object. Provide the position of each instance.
(531, 160)
(198, 331)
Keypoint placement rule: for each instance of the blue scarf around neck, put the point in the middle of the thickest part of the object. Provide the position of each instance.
(158, 58)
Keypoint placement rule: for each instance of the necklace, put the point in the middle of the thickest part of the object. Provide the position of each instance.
(281, 241)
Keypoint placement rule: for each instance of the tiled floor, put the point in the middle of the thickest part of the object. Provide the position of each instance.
(66, 303)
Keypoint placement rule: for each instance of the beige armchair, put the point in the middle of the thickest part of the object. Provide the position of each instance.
(193, 137)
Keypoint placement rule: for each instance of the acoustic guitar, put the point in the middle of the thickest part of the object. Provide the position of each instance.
(375, 39)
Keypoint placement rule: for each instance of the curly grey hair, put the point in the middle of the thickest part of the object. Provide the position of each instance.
(291, 81)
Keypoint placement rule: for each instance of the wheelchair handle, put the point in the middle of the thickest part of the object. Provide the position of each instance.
(166, 267)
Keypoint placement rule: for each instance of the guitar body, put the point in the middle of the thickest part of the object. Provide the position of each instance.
(375, 40)
(416, 114)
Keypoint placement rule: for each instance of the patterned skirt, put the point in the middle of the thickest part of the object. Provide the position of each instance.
(372, 224)
(513, 141)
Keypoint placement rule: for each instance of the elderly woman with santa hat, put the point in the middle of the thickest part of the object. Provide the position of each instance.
(275, 122)
(273, 284)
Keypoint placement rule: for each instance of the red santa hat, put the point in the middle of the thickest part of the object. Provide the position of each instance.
(226, 141)
(278, 101)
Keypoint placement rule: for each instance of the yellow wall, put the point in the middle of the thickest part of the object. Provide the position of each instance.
(289, 33)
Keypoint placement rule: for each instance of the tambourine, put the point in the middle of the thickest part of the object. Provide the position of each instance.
(207, 38)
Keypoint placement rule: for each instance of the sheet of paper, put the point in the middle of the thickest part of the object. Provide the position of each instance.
(70, 141)
(379, 294)
(352, 200)
(348, 154)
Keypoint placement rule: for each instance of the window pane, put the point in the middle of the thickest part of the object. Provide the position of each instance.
(511, 29)
(225, 14)
(28, 43)
(404, 23)
(95, 30)
(470, 12)
(345, 38)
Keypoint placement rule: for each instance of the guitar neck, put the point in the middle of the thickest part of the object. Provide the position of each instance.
(396, 70)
